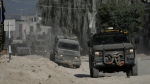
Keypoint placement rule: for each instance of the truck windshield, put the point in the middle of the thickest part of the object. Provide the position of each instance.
(68, 46)
(110, 39)
(40, 48)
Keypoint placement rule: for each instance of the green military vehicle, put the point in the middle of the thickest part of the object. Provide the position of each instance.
(66, 51)
(112, 51)
(21, 49)
(40, 47)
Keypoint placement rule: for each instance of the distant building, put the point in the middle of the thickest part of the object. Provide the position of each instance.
(27, 26)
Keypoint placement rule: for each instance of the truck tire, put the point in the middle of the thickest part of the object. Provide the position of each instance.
(134, 71)
(91, 72)
(77, 66)
(94, 72)
(16, 54)
(51, 57)
(128, 73)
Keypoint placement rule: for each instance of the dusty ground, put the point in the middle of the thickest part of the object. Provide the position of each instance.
(35, 69)
(40, 70)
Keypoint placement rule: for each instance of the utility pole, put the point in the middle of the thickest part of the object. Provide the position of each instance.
(9, 48)
(9, 42)
(91, 17)
(94, 6)
(94, 14)
(9, 25)
(21, 11)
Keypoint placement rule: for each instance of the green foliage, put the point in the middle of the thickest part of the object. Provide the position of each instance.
(71, 16)
(67, 14)
(121, 15)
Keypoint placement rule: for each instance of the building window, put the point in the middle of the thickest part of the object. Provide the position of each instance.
(20, 28)
(31, 29)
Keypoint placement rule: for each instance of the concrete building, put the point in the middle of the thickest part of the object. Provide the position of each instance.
(27, 27)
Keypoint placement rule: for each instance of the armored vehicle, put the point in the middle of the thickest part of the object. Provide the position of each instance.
(112, 51)
(20, 49)
(66, 51)
(40, 47)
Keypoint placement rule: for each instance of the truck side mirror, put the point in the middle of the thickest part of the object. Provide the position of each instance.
(136, 40)
(89, 44)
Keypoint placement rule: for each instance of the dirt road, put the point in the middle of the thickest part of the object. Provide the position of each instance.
(39, 70)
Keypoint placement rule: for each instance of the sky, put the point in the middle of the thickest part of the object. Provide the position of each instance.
(20, 7)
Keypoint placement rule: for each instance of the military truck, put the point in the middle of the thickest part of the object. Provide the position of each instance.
(112, 51)
(20, 48)
(40, 47)
(66, 51)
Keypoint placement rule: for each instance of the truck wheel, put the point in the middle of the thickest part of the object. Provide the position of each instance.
(91, 72)
(52, 57)
(16, 54)
(134, 71)
(94, 72)
(128, 73)
(77, 66)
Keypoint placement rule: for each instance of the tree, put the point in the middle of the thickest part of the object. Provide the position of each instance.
(70, 15)
(121, 15)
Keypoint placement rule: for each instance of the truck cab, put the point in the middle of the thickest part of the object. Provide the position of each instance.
(112, 51)
(20, 48)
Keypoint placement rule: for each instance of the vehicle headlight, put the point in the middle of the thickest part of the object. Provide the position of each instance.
(45, 51)
(61, 55)
(131, 50)
(77, 57)
(96, 53)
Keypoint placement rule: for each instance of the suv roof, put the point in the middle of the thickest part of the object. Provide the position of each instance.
(66, 37)
(69, 41)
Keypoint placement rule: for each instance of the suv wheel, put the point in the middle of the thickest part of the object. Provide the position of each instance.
(16, 54)
(52, 57)
(77, 66)
(94, 72)
(134, 71)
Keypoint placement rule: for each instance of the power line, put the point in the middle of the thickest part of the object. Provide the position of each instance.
(48, 6)
(6, 2)
(23, 2)
(21, 10)
(10, 6)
